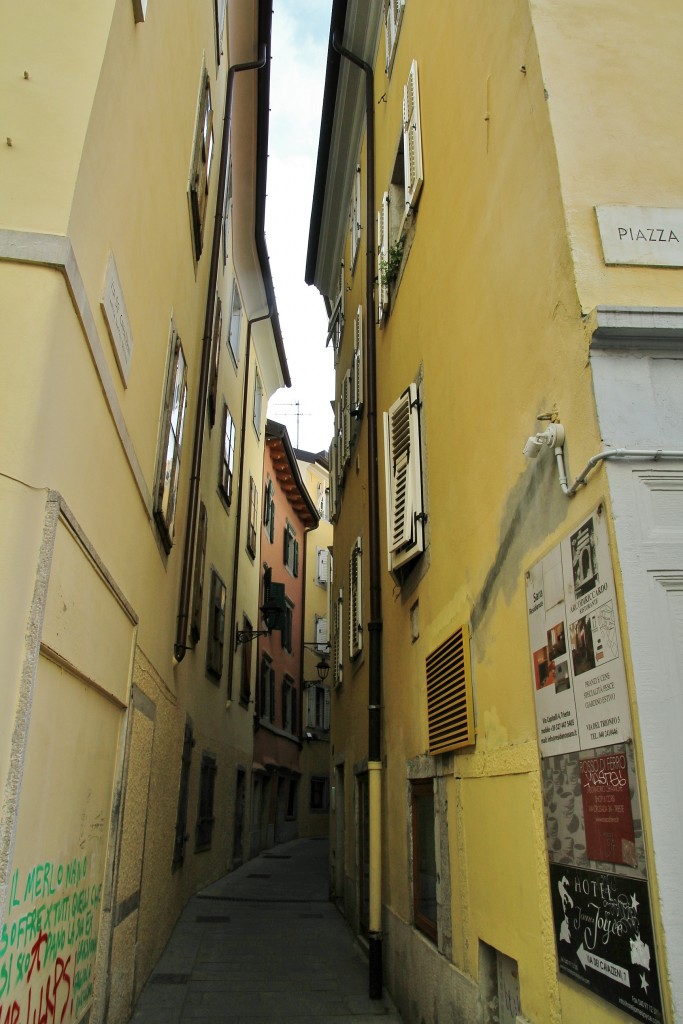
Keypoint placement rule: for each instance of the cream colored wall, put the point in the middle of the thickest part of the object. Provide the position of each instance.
(612, 76)
(487, 314)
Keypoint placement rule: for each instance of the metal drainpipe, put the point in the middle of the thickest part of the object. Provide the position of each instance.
(180, 645)
(375, 623)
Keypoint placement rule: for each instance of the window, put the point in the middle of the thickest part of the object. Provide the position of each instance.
(424, 857)
(291, 550)
(319, 793)
(198, 582)
(181, 836)
(216, 628)
(201, 165)
(226, 467)
(258, 402)
(336, 322)
(395, 217)
(235, 323)
(253, 517)
(269, 510)
(334, 480)
(219, 23)
(403, 466)
(215, 357)
(321, 634)
(393, 15)
(205, 818)
(450, 705)
(355, 601)
(172, 420)
(245, 678)
(288, 704)
(357, 368)
(318, 707)
(265, 688)
(355, 217)
(323, 501)
(291, 798)
(287, 626)
(337, 661)
(321, 563)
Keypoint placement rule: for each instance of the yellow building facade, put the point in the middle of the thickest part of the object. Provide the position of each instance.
(141, 345)
(314, 802)
(496, 231)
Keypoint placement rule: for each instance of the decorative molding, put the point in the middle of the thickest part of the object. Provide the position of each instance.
(56, 252)
(649, 327)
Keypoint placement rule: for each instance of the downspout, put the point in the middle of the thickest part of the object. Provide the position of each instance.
(180, 646)
(240, 488)
(375, 623)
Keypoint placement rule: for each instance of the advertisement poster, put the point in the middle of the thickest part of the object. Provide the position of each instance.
(593, 819)
(576, 656)
(605, 940)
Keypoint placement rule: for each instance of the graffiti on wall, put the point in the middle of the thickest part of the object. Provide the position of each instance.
(49, 941)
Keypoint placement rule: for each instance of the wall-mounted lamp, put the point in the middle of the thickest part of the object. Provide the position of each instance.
(323, 666)
(554, 437)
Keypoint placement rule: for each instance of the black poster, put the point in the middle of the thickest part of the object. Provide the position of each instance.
(604, 937)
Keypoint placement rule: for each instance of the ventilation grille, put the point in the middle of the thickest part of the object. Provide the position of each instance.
(450, 712)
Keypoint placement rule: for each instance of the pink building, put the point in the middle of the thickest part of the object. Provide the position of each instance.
(288, 514)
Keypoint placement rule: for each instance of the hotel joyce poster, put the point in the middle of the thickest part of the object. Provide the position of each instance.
(593, 819)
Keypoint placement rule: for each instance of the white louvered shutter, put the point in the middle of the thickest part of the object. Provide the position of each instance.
(357, 388)
(337, 639)
(382, 258)
(355, 218)
(321, 632)
(405, 530)
(412, 138)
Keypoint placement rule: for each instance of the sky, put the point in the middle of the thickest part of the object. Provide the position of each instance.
(299, 55)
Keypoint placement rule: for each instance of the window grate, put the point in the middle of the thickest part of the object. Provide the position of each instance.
(450, 711)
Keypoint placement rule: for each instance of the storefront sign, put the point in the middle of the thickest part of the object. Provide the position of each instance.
(605, 940)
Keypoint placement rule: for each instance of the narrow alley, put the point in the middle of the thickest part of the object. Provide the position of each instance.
(264, 945)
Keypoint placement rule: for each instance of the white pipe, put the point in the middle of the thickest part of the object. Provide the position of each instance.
(614, 453)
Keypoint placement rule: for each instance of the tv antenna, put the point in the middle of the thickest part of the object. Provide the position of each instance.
(298, 414)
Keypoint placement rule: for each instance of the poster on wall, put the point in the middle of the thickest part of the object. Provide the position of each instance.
(604, 938)
(593, 820)
(576, 657)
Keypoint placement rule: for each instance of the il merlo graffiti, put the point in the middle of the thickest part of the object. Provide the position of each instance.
(48, 942)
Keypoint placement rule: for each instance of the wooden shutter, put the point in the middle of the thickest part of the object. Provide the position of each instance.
(450, 707)
(322, 560)
(355, 601)
(393, 13)
(412, 138)
(310, 705)
(357, 383)
(326, 711)
(332, 460)
(382, 258)
(171, 442)
(405, 529)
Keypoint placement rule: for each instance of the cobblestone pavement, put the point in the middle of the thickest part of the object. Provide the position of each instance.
(264, 945)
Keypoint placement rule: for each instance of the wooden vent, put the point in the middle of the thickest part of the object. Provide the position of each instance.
(450, 710)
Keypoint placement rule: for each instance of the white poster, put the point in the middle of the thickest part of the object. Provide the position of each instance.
(576, 655)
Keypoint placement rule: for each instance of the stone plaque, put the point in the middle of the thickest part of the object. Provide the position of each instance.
(647, 236)
(116, 318)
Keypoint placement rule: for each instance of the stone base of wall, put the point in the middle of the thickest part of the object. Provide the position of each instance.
(426, 988)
